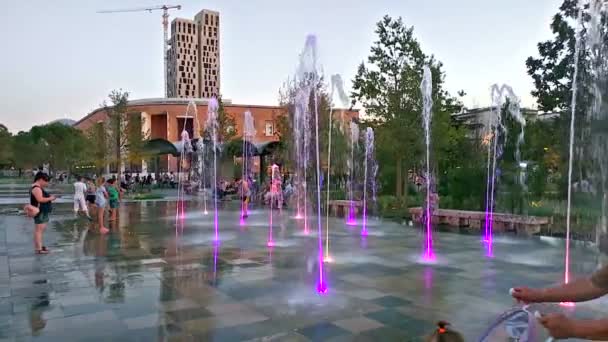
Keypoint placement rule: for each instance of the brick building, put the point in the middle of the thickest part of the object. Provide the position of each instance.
(164, 118)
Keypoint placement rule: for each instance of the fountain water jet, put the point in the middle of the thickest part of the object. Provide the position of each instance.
(497, 137)
(369, 163)
(274, 173)
(185, 160)
(351, 218)
(248, 135)
(426, 88)
(212, 125)
(302, 147)
(336, 85)
(308, 75)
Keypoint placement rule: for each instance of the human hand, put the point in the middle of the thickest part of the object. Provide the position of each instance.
(53, 197)
(527, 295)
(558, 325)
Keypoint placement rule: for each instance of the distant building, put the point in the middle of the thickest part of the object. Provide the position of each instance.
(477, 119)
(164, 118)
(193, 62)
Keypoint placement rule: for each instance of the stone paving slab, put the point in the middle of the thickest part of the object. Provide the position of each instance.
(148, 281)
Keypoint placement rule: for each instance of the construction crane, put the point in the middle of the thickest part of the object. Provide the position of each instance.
(165, 9)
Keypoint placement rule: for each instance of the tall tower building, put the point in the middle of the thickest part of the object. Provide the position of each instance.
(183, 60)
(194, 56)
(209, 52)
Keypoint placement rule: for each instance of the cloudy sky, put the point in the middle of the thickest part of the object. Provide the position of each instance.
(60, 58)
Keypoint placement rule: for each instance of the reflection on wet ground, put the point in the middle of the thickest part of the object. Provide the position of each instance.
(149, 280)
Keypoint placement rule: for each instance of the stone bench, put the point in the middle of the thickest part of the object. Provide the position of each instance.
(340, 208)
(526, 225)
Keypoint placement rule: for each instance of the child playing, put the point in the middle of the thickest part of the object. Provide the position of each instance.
(113, 195)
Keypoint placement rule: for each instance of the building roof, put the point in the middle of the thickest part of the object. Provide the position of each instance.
(184, 101)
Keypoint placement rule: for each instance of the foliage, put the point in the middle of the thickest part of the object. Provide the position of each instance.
(125, 138)
(285, 134)
(6, 149)
(97, 139)
(59, 145)
(388, 88)
(226, 123)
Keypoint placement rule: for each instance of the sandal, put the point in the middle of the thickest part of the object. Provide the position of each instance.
(43, 250)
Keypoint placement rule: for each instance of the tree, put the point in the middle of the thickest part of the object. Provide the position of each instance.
(98, 141)
(64, 146)
(553, 73)
(226, 123)
(125, 135)
(285, 118)
(27, 153)
(117, 114)
(6, 150)
(388, 87)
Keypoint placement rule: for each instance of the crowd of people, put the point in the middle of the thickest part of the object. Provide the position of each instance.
(99, 197)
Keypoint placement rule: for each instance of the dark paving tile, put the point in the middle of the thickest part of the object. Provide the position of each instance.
(322, 331)
(398, 320)
(188, 314)
(220, 335)
(391, 301)
(384, 334)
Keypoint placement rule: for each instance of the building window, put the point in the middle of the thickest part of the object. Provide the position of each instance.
(268, 129)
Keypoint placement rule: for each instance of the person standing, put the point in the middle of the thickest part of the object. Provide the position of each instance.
(90, 194)
(246, 193)
(41, 199)
(80, 203)
(113, 194)
(101, 201)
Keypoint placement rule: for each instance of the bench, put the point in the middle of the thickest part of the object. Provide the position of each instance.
(526, 225)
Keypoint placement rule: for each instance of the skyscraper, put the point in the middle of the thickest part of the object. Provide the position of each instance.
(209, 52)
(194, 56)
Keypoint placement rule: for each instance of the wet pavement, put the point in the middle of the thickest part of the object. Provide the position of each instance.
(151, 281)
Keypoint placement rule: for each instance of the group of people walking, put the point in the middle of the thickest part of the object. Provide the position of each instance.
(100, 197)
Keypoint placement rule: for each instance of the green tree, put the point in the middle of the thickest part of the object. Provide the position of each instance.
(98, 142)
(226, 123)
(388, 88)
(553, 72)
(64, 145)
(6, 149)
(125, 135)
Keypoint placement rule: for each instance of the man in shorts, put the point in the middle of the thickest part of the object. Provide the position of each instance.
(80, 203)
(579, 290)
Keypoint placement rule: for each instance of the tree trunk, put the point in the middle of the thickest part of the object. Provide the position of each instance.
(399, 179)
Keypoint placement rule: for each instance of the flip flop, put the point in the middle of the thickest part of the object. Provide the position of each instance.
(42, 251)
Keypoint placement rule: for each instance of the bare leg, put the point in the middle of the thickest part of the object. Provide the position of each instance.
(39, 229)
(100, 217)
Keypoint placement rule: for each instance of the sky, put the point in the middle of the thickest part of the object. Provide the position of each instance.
(60, 58)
